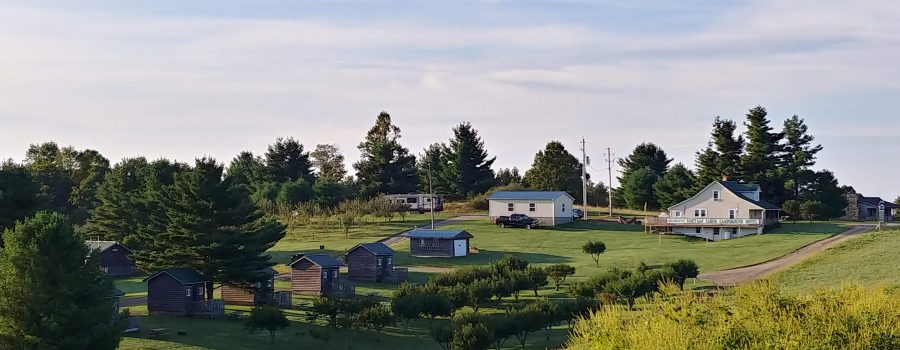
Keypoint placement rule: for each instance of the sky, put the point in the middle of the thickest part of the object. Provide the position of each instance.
(190, 78)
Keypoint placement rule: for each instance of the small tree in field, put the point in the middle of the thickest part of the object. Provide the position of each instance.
(377, 317)
(537, 278)
(594, 249)
(684, 269)
(792, 208)
(811, 210)
(268, 318)
(559, 272)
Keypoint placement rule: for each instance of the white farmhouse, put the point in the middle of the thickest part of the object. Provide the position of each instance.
(548, 207)
(722, 210)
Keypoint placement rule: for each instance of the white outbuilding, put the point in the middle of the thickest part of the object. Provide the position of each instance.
(548, 207)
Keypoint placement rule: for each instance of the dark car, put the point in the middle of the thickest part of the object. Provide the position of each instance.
(516, 220)
(577, 214)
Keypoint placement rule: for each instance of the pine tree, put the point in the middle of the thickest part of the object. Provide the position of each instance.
(729, 148)
(51, 296)
(385, 166)
(117, 215)
(153, 220)
(637, 190)
(645, 155)
(826, 190)
(707, 163)
(213, 228)
(555, 169)
(675, 186)
(430, 163)
(799, 155)
(759, 164)
(468, 168)
(247, 169)
(19, 193)
(286, 161)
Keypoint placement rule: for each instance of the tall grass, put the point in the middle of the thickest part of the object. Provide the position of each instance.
(755, 316)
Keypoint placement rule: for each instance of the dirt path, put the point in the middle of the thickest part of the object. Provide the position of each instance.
(400, 236)
(740, 275)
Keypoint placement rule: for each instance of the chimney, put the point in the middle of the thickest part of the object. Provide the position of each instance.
(724, 177)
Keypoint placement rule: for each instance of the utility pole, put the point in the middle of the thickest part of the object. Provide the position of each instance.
(609, 165)
(431, 195)
(584, 165)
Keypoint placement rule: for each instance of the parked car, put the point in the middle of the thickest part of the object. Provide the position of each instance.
(516, 220)
(577, 214)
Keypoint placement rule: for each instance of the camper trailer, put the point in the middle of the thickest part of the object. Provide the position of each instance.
(417, 202)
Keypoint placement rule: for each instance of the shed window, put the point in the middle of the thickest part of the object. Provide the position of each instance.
(510, 207)
(200, 290)
(390, 261)
(378, 262)
(530, 206)
(564, 207)
(716, 195)
(324, 274)
(421, 242)
(334, 274)
(187, 291)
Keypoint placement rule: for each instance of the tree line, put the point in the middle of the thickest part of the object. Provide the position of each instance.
(781, 162)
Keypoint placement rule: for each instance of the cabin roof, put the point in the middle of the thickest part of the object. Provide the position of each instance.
(440, 234)
(102, 246)
(874, 201)
(322, 260)
(528, 195)
(377, 248)
(737, 189)
(184, 276)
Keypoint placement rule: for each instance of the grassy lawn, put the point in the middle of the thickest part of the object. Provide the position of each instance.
(870, 259)
(132, 287)
(626, 246)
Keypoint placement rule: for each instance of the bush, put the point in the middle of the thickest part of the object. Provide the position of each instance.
(268, 318)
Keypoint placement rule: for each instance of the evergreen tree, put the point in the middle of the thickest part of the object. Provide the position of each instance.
(637, 190)
(18, 194)
(286, 161)
(508, 176)
(248, 170)
(152, 218)
(468, 169)
(759, 164)
(118, 214)
(385, 166)
(51, 296)
(555, 169)
(213, 228)
(826, 190)
(598, 194)
(799, 155)
(432, 161)
(707, 163)
(729, 148)
(675, 186)
(645, 155)
(329, 161)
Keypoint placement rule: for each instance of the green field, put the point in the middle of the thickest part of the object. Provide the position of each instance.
(867, 260)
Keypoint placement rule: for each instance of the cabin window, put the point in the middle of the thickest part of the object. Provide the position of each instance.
(334, 274)
(187, 292)
(699, 230)
(677, 214)
(421, 242)
(378, 262)
(324, 274)
(115, 249)
(564, 207)
(200, 290)
(530, 206)
(716, 195)
(510, 207)
(389, 261)
(732, 213)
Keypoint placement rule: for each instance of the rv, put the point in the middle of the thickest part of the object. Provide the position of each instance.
(417, 202)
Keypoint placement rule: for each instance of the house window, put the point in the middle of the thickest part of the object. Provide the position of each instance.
(677, 214)
(716, 196)
(732, 213)
(698, 230)
(564, 207)
(187, 292)
(530, 206)
(700, 213)
(716, 231)
(509, 207)
(734, 231)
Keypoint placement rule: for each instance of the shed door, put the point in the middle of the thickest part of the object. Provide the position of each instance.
(459, 247)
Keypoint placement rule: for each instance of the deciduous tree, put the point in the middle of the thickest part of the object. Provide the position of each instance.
(555, 169)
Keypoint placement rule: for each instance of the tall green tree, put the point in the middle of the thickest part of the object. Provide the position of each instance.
(644, 155)
(707, 164)
(68, 177)
(247, 169)
(429, 166)
(759, 163)
(286, 161)
(508, 176)
(19, 193)
(385, 166)
(87, 172)
(637, 190)
(51, 296)
(120, 198)
(555, 169)
(675, 186)
(213, 228)
(826, 190)
(329, 162)
(468, 168)
(722, 156)
(799, 155)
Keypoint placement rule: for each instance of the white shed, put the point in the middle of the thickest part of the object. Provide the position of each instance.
(549, 207)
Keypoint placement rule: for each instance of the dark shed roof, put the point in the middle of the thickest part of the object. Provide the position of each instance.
(184, 276)
(322, 260)
(874, 201)
(376, 248)
(440, 234)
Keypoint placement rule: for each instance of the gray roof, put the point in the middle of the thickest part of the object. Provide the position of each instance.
(528, 195)
(322, 260)
(102, 246)
(874, 201)
(185, 276)
(376, 248)
(737, 188)
(440, 234)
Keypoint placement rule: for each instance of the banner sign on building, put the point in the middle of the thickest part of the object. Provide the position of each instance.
(687, 221)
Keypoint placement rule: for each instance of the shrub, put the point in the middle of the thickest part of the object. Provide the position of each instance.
(684, 269)
(559, 272)
(268, 318)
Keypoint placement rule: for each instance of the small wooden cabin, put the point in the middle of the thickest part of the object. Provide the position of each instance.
(115, 259)
(315, 274)
(178, 291)
(438, 243)
(370, 262)
(260, 293)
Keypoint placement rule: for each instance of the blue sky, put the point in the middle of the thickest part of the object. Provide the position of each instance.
(190, 78)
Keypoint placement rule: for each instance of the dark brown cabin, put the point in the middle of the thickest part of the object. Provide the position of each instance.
(115, 259)
(177, 291)
(316, 274)
(370, 262)
(438, 243)
(260, 293)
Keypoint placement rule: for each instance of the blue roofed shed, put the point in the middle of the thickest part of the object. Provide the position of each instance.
(438, 243)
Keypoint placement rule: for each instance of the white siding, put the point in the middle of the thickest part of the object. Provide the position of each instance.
(542, 208)
(715, 209)
(724, 232)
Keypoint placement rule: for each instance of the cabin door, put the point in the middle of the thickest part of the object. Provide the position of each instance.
(459, 247)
